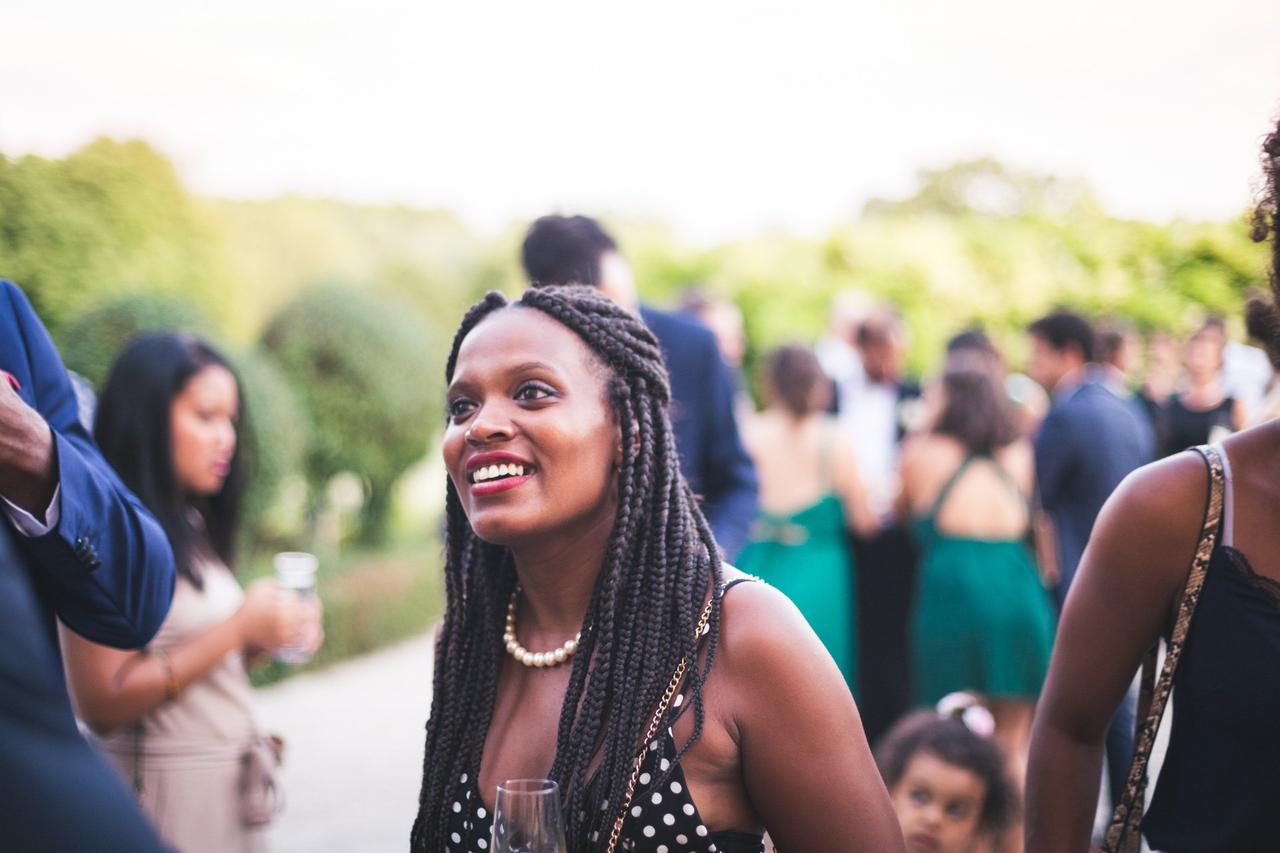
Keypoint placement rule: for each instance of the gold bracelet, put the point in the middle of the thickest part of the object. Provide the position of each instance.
(171, 686)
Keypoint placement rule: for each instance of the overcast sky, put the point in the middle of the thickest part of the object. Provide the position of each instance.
(722, 116)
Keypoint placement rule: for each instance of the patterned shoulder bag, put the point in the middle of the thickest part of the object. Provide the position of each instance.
(1124, 834)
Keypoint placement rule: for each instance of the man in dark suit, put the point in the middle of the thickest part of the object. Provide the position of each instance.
(76, 544)
(1089, 441)
(576, 250)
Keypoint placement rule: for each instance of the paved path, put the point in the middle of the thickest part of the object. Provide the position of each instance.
(353, 762)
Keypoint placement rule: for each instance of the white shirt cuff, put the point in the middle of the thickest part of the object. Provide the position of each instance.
(26, 523)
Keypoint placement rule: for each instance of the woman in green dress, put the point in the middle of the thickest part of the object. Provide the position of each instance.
(983, 621)
(809, 493)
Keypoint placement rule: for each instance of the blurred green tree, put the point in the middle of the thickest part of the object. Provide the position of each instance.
(364, 374)
(110, 218)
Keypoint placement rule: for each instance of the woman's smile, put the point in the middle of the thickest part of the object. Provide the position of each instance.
(493, 473)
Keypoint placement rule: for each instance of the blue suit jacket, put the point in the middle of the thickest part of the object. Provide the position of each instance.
(712, 457)
(106, 570)
(1090, 441)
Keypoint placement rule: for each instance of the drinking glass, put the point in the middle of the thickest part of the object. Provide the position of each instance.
(296, 573)
(527, 819)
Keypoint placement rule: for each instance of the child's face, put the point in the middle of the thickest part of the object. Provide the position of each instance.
(938, 805)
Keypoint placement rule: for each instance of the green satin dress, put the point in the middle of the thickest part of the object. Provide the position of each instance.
(805, 554)
(982, 620)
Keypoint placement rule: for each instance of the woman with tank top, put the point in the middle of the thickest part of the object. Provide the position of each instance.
(1220, 782)
(809, 495)
(982, 620)
(587, 637)
(1202, 412)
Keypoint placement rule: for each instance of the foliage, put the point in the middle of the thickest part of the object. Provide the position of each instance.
(360, 365)
(90, 343)
(109, 219)
(275, 433)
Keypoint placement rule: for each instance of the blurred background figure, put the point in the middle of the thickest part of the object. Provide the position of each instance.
(948, 780)
(1163, 365)
(1201, 412)
(810, 493)
(724, 320)
(1090, 440)
(982, 621)
(837, 349)
(177, 717)
(1246, 370)
(1118, 353)
(577, 250)
(876, 407)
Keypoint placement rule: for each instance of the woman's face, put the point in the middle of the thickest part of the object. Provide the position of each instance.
(532, 446)
(202, 422)
(1203, 358)
(939, 805)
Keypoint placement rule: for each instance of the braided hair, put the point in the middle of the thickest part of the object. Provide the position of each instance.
(1263, 313)
(660, 562)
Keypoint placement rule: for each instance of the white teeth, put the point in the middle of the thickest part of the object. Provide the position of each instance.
(490, 472)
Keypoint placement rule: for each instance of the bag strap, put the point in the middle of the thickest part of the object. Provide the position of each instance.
(1124, 834)
(665, 703)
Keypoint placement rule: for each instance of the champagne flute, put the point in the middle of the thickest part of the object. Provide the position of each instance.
(527, 819)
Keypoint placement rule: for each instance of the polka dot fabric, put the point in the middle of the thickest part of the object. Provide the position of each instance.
(662, 818)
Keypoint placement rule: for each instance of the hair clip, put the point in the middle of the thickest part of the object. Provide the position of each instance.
(966, 708)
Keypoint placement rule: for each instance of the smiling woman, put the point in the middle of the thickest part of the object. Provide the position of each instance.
(578, 567)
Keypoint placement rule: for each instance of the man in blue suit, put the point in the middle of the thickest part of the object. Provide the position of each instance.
(576, 250)
(1090, 440)
(76, 544)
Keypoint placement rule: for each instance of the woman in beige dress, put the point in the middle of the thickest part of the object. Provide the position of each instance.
(176, 718)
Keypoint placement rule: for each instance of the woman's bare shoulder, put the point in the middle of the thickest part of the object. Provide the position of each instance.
(761, 627)
(1149, 527)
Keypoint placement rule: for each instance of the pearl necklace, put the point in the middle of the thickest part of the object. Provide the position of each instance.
(535, 659)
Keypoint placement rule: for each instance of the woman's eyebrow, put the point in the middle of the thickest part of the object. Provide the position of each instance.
(533, 365)
(524, 367)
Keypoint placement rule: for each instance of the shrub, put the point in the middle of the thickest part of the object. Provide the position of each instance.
(364, 373)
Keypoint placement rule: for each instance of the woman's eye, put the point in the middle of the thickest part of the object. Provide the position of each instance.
(532, 391)
(460, 407)
(958, 811)
(920, 796)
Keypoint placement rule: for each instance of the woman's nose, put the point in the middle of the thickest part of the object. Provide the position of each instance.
(489, 425)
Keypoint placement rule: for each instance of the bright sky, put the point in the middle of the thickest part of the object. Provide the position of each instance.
(721, 116)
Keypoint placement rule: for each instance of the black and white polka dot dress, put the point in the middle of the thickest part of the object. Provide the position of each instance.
(662, 819)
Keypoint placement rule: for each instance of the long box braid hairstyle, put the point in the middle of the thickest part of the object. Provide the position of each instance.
(660, 564)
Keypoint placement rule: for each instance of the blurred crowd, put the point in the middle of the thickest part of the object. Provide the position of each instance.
(930, 527)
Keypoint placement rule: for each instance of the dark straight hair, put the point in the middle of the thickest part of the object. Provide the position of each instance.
(976, 412)
(794, 375)
(133, 429)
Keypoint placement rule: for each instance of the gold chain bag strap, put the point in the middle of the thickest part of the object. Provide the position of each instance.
(654, 724)
(1124, 834)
